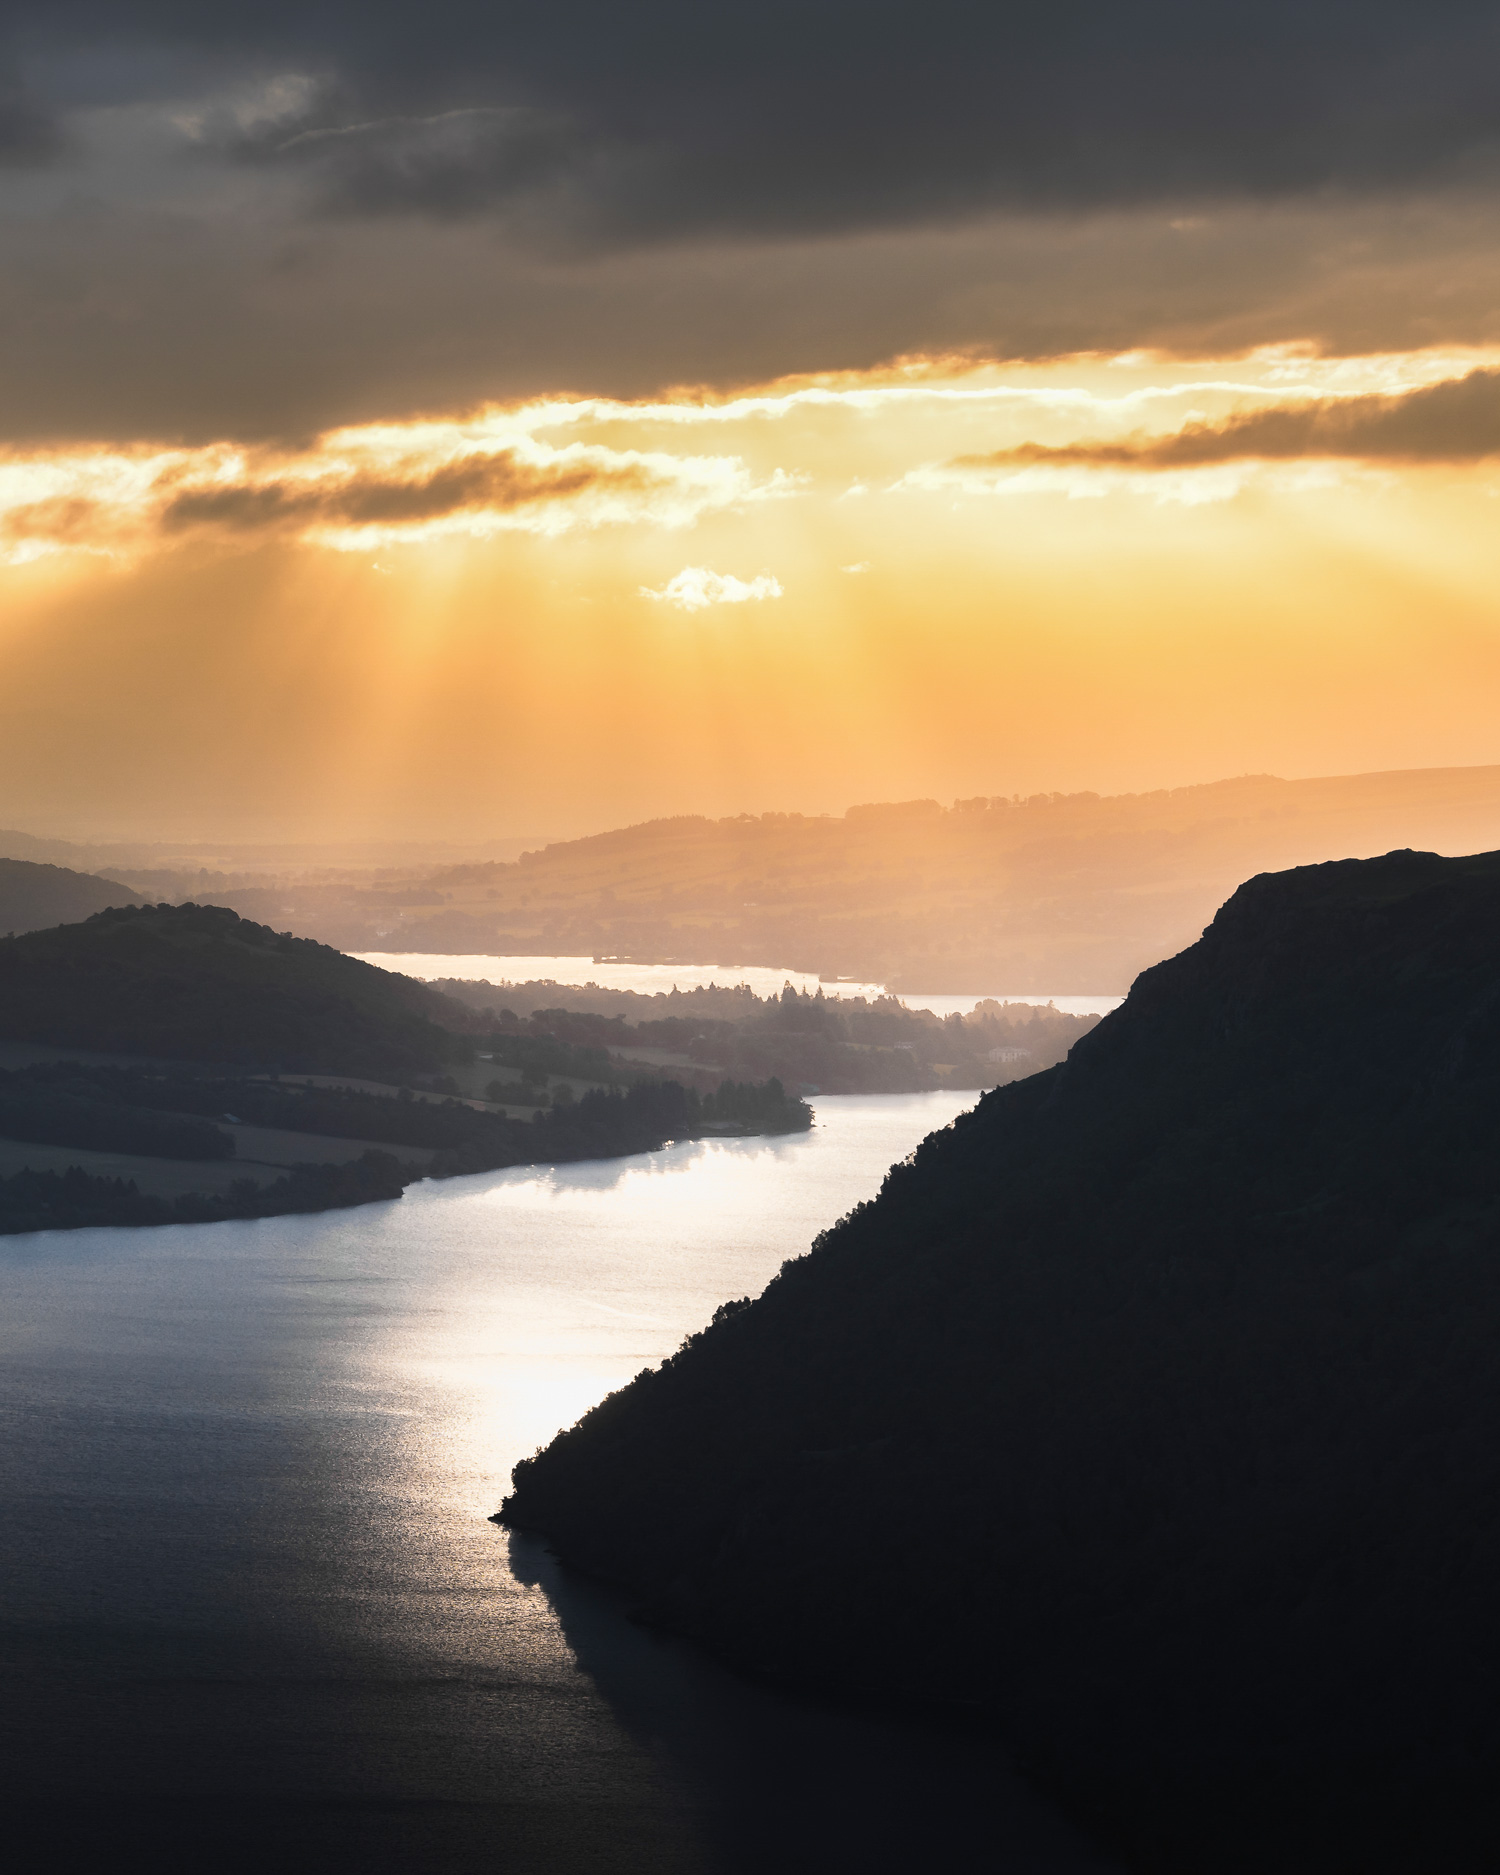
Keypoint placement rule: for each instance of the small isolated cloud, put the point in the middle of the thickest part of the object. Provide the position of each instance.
(696, 587)
(856, 566)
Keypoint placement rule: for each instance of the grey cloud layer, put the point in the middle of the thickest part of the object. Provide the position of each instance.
(1457, 421)
(265, 222)
(316, 496)
(498, 483)
(121, 320)
(597, 121)
(28, 130)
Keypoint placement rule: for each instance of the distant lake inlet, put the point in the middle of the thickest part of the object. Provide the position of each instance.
(655, 979)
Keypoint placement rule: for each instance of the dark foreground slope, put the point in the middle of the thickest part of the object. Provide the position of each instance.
(199, 983)
(1153, 1408)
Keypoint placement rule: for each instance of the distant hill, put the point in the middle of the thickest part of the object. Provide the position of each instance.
(204, 860)
(198, 983)
(33, 897)
(1052, 895)
(1152, 1409)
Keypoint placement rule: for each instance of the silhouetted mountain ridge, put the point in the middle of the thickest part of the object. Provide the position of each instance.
(1152, 1408)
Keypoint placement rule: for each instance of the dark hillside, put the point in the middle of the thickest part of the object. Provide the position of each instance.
(34, 897)
(1153, 1408)
(198, 983)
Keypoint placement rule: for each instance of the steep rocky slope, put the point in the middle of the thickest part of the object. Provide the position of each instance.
(1153, 1409)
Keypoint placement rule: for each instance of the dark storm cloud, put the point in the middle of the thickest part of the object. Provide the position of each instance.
(1458, 421)
(497, 483)
(263, 222)
(449, 163)
(667, 118)
(129, 320)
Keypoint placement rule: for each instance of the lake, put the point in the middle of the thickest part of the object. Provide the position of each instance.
(253, 1613)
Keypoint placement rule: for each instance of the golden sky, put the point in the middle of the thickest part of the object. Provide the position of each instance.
(941, 578)
(1048, 426)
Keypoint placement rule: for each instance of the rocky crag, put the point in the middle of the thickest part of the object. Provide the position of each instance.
(1151, 1411)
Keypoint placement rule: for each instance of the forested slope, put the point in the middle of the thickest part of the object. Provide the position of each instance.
(32, 897)
(1153, 1409)
(199, 983)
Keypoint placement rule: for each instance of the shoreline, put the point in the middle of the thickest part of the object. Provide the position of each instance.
(375, 1176)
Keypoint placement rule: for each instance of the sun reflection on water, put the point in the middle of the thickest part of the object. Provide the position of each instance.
(259, 1474)
(539, 1292)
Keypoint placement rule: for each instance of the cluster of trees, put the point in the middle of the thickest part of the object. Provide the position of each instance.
(398, 1119)
(78, 1200)
(853, 1045)
(146, 1097)
(1152, 1409)
(154, 1113)
(642, 1117)
(757, 1106)
(62, 1109)
(545, 1047)
(838, 1045)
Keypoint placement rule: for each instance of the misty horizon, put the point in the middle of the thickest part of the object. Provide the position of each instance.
(259, 846)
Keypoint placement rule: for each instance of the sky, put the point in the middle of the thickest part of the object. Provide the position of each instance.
(468, 421)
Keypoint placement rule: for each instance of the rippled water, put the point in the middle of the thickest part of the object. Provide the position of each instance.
(253, 1613)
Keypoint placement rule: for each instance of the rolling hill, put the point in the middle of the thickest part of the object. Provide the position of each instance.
(34, 897)
(1056, 894)
(198, 983)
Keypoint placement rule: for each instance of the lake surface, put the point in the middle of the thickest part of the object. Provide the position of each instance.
(252, 1613)
(659, 979)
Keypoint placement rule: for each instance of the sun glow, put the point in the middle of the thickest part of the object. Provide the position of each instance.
(498, 470)
(1100, 571)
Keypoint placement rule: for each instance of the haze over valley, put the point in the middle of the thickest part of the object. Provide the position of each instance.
(1056, 893)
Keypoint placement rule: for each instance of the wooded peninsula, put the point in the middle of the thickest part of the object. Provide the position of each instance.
(180, 1064)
